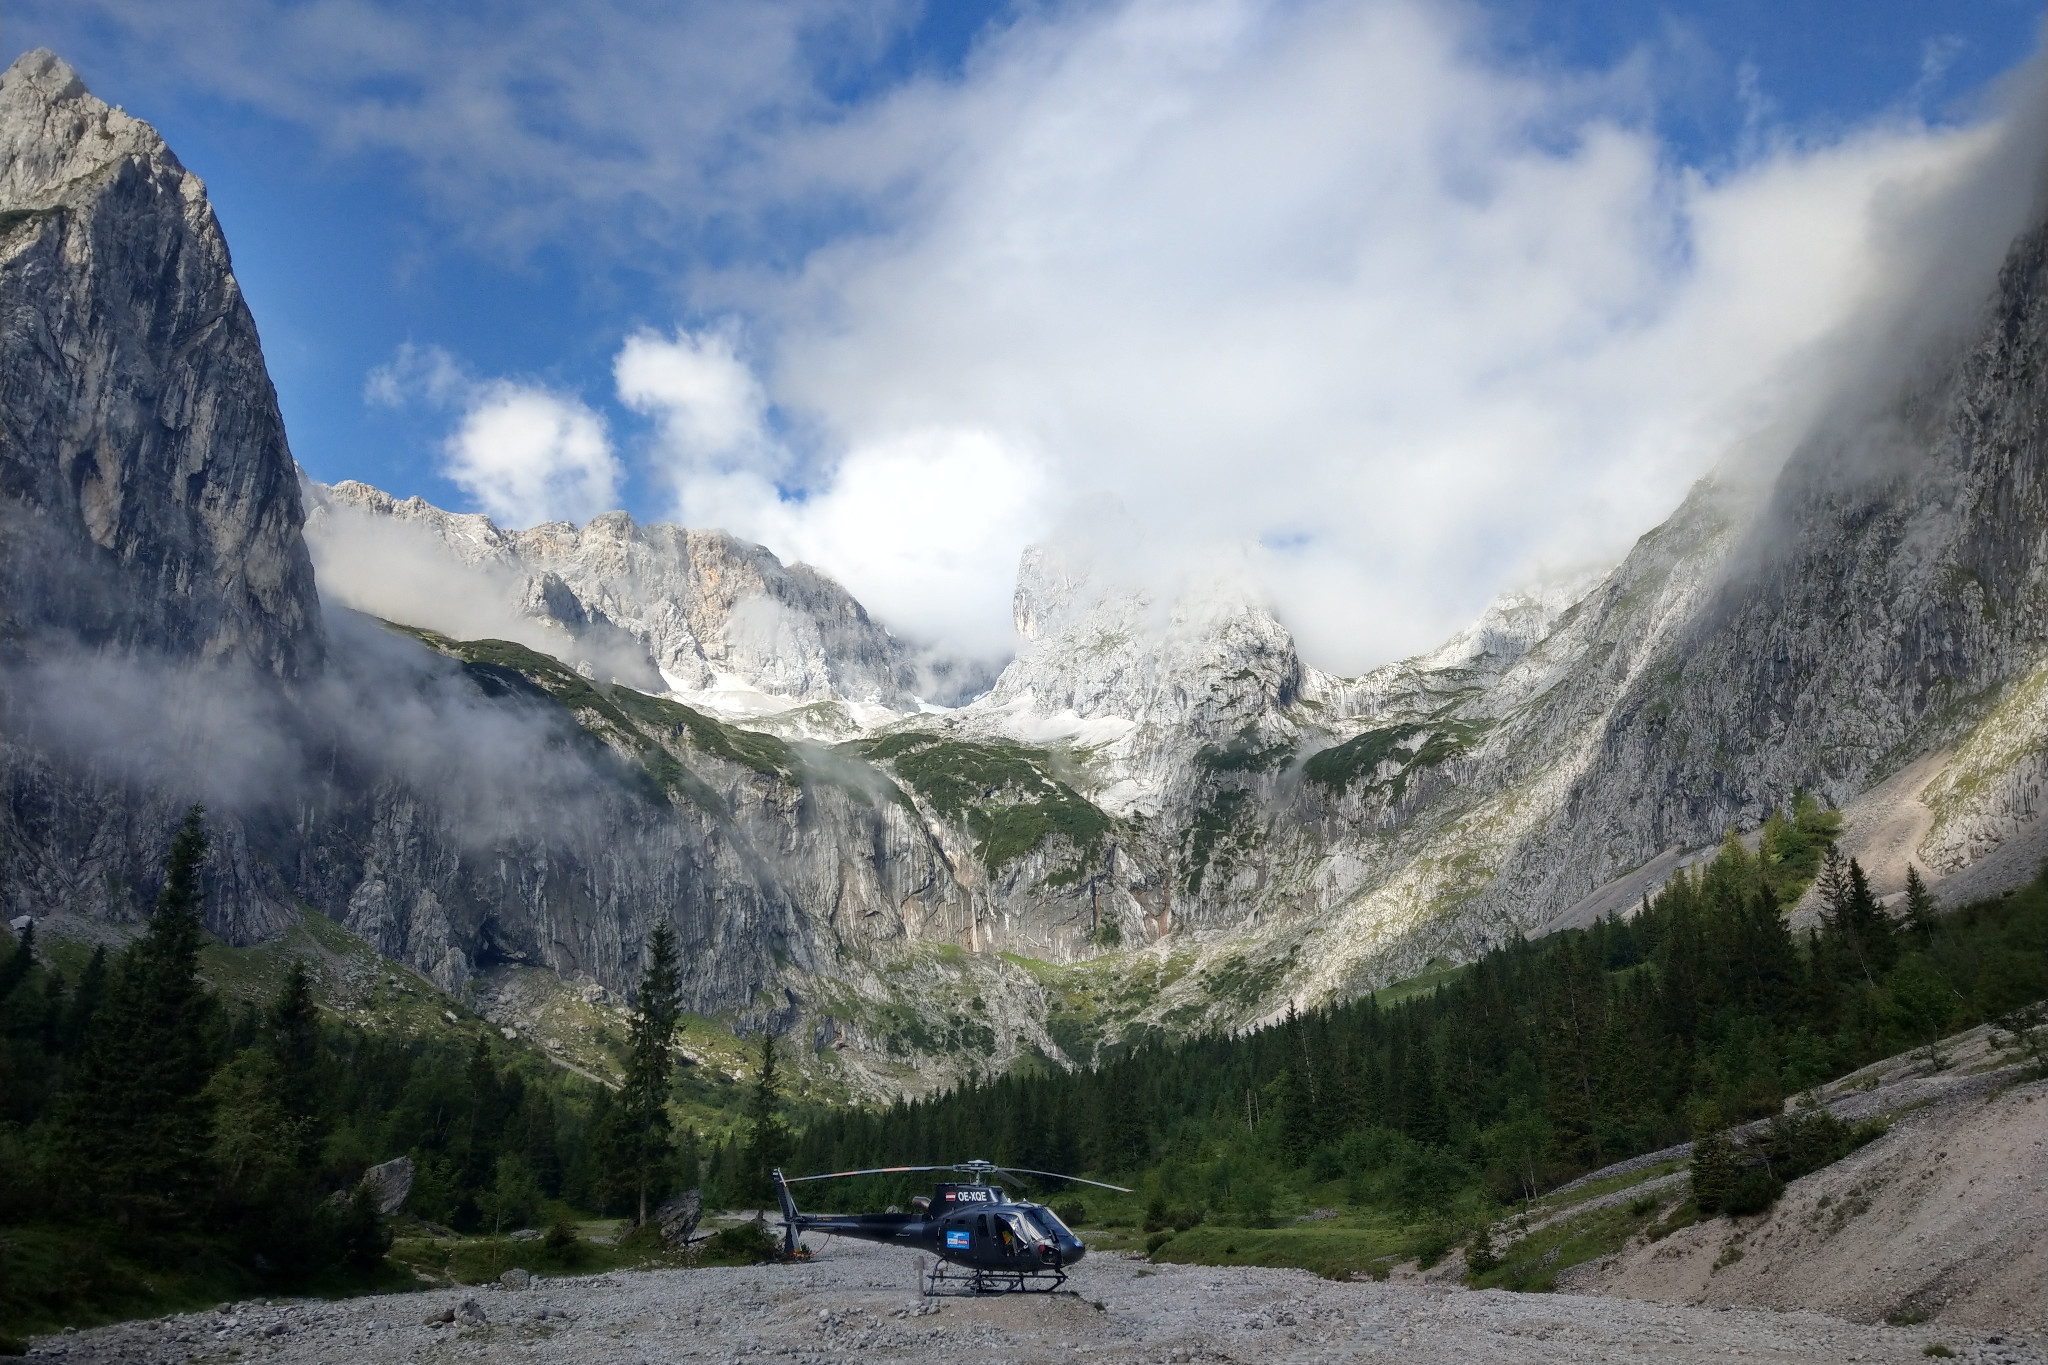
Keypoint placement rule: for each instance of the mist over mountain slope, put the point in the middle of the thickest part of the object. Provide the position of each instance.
(658, 607)
(1160, 817)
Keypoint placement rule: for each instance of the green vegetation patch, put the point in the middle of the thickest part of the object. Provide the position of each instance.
(566, 1249)
(1242, 980)
(764, 754)
(1244, 754)
(1533, 1263)
(1006, 794)
(1413, 747)
(640, 723)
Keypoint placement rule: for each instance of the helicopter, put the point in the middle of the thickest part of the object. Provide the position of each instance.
(992, 1244)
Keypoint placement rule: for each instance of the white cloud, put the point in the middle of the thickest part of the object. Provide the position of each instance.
(527, 456)
(417, 373)
(524, 453)
(923, 526)
(711, 409)
(1331, 279)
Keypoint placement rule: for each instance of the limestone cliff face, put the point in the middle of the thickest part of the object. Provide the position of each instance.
(690, 611)
(1889, 598)
(150, 500)
(1883, 597)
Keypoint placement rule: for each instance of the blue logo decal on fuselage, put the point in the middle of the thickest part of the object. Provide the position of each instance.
(956, 1238)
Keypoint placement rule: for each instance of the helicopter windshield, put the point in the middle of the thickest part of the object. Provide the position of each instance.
(1026, 1228)
(1050, 1221)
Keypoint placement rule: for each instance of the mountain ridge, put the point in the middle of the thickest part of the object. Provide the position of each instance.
(1160, 820)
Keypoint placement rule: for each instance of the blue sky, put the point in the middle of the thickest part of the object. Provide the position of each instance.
(843, 237)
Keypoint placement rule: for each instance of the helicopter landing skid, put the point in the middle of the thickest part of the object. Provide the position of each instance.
(945, 1278)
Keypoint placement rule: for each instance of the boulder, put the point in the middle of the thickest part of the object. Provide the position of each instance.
(471, 1314)
(678, 1217)
(390, 1183)
(515, 1279)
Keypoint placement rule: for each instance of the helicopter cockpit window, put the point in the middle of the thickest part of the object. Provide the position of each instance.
(1026, 1229)
(1050, 1221)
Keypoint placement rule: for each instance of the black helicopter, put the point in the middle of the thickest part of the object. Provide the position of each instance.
(998, 1245)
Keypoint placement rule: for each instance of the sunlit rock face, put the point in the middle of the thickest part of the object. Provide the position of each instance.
(692, 612)
(1882, 597)
(151, 502)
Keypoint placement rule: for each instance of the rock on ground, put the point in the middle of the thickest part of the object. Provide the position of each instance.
(859, 1303)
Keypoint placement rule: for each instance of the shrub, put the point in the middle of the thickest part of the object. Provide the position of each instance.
(1481, 1256)
(562, 1244)
(1753, 1190)
(746, 1244)
(1156, 1241)
(1073, 1214)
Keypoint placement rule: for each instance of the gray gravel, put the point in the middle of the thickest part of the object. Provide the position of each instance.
(857, 1303)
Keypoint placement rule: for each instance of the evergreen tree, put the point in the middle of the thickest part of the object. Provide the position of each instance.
(648, 1145)
(134, 1125)
(1920, 907)
(292, 1040)
(1713, 1161)
(85, 1002)
(15, 970)
(1873, 925)
(768, 1142)
(1833, 885)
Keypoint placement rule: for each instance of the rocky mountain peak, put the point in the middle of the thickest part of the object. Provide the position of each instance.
(698, 614)
(153, 502)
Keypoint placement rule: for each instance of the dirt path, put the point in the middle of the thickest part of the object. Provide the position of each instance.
(855, 1303)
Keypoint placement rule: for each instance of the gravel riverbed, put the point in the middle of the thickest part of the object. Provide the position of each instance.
(859, 1303)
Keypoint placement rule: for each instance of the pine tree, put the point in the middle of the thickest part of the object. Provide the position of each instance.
(1833, 886)
(292, 1040)
(1920, 907)
(1873, 926)
(76, 1023)
(15, 970)
(643, 1100)
(768, 1143)
(134, 1126)
(1713, 1161)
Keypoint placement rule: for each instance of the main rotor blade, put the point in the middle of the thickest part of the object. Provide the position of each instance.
(878, 1170)
(1022, 1170)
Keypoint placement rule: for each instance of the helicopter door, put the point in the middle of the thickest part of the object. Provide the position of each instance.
(981, 1233)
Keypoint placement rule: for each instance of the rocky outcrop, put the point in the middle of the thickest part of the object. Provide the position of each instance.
(699, 613)
(150, 502)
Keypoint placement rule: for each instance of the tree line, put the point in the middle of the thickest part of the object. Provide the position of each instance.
(1541, 1061)
(145, 1123)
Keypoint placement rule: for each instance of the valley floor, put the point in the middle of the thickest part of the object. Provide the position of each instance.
(856, 1302)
